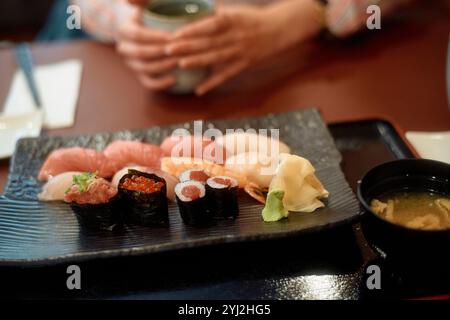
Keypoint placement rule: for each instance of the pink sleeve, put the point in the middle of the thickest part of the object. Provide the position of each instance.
(344, 17)
(101, 18)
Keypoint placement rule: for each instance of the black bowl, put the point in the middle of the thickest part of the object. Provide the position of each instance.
(396, 241)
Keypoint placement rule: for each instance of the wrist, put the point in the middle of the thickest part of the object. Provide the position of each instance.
(295, 21)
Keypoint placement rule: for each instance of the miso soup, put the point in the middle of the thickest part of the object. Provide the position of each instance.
(416, 210)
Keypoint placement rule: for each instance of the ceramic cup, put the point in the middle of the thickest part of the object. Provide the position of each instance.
(169, 15)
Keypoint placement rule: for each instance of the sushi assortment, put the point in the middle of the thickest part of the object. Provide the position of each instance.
(133, 182)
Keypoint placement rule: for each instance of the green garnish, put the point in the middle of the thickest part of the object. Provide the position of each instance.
(83, 180)
(274, 209)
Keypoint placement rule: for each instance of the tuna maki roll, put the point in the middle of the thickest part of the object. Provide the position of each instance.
(191, 199)
(222, 196)
(143, 197)
(94, 201)
(194, 174)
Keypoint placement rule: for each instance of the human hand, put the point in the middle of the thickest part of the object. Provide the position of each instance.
(144, 52)
(230, 41)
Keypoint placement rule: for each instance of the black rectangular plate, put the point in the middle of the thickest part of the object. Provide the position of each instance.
(35, 233)
(323, 265)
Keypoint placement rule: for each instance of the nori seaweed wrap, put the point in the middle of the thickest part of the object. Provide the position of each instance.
(192, 203)
(221, 192)
(94, 201)
(103, 216)
(143, 198)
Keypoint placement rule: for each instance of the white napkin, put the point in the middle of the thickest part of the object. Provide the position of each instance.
(431, 145)
(58, 85)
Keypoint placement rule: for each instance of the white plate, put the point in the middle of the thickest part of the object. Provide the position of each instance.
(12, 128)
(431, 145)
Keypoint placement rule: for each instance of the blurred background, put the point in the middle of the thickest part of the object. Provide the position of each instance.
(21, 20)
(26, 20)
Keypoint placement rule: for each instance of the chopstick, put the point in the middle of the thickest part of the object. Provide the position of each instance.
(25, 62)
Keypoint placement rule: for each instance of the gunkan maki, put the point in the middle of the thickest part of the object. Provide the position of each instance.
(143, 198)
(192, 202)
(94, 201)
(221, 192)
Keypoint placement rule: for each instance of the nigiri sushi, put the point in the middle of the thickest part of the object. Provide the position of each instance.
(123, 153)
(241, 142)
(75, 159)
(56, 187)
(193, 147)
(171, 181)
(116, 155)
(258, 168)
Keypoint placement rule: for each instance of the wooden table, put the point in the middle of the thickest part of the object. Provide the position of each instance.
(398, 73)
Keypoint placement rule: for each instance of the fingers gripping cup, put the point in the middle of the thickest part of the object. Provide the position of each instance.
(169, 15)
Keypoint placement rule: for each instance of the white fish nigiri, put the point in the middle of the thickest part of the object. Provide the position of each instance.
(171, 181)
(302, 189)
(242, 142)
(56, 187)
(258, 168)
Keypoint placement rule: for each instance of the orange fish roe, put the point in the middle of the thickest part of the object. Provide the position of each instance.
(142, 184)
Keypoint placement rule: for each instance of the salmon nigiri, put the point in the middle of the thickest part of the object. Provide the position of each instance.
(75, 159)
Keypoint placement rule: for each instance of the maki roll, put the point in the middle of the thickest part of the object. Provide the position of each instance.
(191, 200)
(94, 201)
(143, 197)
(222, 196)
(194, 174)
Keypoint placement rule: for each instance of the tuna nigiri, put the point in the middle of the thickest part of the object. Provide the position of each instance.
(75, 159)
(122, 153)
